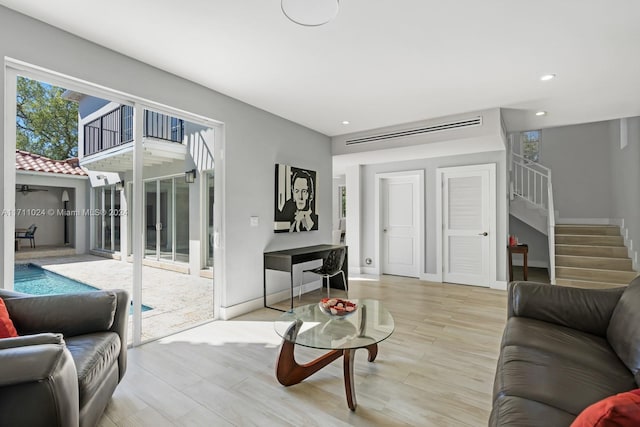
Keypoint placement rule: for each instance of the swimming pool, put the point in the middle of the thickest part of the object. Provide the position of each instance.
(34, 280)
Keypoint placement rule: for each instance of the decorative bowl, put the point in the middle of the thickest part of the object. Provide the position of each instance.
(337, 307)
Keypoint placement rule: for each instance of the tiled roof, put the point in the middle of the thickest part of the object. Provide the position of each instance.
(27, 161)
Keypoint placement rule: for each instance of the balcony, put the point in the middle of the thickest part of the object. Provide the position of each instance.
(107, 140)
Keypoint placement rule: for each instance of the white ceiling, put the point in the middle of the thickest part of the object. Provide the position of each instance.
(383, 62)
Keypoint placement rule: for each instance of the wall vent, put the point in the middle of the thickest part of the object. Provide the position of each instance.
(441, 127)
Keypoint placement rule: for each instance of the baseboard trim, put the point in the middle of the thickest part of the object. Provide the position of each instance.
(369, 270)
(500, 285)
(430, 277)
(354, 270)
(227, 313)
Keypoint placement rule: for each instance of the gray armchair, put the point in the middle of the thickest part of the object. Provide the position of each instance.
(70, 356)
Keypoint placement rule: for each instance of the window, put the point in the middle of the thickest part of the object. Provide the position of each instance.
(530, 145)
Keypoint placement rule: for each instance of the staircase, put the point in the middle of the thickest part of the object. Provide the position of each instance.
(592, 256)
(531, 201)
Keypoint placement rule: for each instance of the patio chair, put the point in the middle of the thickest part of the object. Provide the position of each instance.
(29, 233)
(331, 266)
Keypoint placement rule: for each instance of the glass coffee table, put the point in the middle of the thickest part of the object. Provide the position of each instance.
(309, 326)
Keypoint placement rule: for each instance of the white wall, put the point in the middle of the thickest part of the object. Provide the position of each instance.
(579, 158)
(255, 141)
(429, 166)
(50, 230)
(625, 179)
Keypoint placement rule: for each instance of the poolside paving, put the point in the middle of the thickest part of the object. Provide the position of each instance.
(179, 301)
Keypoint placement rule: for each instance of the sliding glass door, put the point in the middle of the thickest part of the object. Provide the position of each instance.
(167, 219)
(107, 218)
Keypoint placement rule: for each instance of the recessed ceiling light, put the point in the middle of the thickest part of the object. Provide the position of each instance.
(345, 122)
(541, 113)
(547, 77)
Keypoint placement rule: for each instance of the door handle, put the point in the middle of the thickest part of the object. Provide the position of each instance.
(385, 230)
(483, 234)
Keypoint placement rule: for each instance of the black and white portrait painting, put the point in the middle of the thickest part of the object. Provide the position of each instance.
(295, 202)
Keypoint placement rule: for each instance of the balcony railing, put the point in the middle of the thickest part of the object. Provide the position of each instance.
(116, 128)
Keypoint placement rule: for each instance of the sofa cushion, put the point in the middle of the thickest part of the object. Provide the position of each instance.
(93, 355)
(621, 410)
(623, 333)
(516, 411)
(68, 314)
(564, 305)
(556, 379)
(587, 349)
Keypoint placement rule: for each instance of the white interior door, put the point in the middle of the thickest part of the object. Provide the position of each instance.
(468, 224)
(399, 222)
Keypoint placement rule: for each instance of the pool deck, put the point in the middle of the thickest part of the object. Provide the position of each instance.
(179, 301)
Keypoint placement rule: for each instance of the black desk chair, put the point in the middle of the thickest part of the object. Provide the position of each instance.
(28, 234)
(331, 266)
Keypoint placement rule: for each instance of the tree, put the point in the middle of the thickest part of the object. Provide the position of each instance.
(47, 124)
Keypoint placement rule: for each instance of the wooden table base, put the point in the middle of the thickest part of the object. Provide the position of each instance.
(289, 372)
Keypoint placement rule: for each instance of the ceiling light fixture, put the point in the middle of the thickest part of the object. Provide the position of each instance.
(345, 122)
(547, 77)
(541, 113)
(310, 13)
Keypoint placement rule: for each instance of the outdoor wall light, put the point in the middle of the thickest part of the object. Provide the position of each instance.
(190, 176)
(119, 185)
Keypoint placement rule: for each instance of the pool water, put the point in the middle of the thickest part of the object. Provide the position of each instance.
(33, 280)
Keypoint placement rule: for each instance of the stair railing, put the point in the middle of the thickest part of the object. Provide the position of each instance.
(551, 235)
(532, 182)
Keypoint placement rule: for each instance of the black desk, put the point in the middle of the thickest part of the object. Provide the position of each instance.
(285, 260)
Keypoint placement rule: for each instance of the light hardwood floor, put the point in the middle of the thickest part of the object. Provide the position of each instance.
(436, 369)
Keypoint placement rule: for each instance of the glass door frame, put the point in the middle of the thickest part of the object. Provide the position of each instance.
(171, 220)
(105, 217)
(134, 229)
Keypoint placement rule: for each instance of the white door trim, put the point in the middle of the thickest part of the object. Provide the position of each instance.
(491, 167)
(377, 268)
(12, 69)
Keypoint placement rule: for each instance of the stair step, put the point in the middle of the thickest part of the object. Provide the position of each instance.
(597, 251)
(591, 240)
(586, 284)
(602, 263)
(596, 275)
(600, 230)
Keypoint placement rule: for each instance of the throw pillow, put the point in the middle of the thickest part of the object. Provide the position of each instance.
(621, 410)
(7, 330)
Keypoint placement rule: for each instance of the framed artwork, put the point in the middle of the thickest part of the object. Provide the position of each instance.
(295, 200)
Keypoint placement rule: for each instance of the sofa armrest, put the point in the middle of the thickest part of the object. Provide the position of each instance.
(120, 326)
(38, 383)
(68, 314)
(25, 340)
(5, 293)
(29, 358)
(587, 310)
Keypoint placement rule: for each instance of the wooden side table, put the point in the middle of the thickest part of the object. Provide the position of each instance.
(520, 249)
